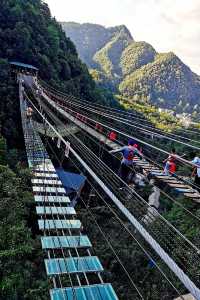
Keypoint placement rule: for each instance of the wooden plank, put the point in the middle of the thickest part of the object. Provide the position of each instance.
(185, 297)
(180, 190)
(182, 185)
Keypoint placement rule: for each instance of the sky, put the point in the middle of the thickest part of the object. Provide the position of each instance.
(168, 25)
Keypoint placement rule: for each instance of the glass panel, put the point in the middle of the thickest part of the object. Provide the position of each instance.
(55, 210)
(65, 242)
(64, 224)
(61, 199)
(73, 265)
(97, 292)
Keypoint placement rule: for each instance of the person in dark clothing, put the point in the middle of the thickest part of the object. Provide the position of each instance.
(127, 162)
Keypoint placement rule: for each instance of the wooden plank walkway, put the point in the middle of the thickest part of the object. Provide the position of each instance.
(63, 131)
(171, 181)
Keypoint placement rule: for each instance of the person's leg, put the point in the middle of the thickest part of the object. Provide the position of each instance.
(126, 172)
(131, 174)
(166, 169)
(197, 182)
(123, 173)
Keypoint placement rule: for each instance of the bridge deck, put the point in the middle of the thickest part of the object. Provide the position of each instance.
(145, 165)
(49, 193)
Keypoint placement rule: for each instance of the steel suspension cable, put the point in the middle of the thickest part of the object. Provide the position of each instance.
(183, 277)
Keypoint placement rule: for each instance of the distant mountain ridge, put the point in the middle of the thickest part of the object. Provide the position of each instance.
(90, 38)
(135, 69)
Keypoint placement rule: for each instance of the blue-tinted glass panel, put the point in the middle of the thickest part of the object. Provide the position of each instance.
(61, 199)
(73, 265)
(41, 210)
(52, 242)
(97, 292)
(59, 224)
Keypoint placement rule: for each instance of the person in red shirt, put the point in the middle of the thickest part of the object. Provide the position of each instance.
(98, 127)
(112, 136)
(172, 166)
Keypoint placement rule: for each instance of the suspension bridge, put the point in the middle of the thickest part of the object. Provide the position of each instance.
(74, 125)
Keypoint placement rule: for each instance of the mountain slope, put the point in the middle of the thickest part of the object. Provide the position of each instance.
(29, 34)
(90, 38)
(108, 57)
(135, 69)
(135, 56)
(166, 81)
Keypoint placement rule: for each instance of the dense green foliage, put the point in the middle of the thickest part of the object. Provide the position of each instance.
(34, 37)
(136, 69)
(103, 81)
(21, 263)
(2, 150)
(10, 123)
(108, 57)
(162, 120)
(135, 56)
(29, 34)
(166, 82)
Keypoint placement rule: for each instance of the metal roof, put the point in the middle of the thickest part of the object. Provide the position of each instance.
(19, 64)
(71, 180)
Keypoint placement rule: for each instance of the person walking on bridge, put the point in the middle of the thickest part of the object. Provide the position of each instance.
(29, 113)
(128, 153)
(171, 162)
(196, 171)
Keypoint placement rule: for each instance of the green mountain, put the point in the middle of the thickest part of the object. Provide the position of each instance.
(135, 56)
(90, 38)
(107, 58)
(166, 82)
(135, 69)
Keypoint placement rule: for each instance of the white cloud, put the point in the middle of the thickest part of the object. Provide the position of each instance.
(169, 25)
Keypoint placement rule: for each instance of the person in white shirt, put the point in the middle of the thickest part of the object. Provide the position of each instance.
(196, 172)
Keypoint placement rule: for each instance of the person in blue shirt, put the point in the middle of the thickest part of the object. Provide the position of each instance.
(128, 153)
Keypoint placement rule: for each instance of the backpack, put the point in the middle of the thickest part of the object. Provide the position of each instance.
(130, 155)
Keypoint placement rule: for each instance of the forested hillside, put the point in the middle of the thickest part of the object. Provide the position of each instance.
(29, 34)
(90, 38)
(166, 82)
(135, 69)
